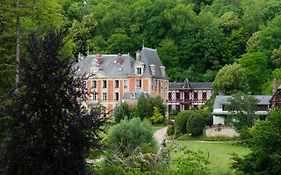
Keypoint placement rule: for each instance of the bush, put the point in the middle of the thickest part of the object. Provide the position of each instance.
(181, 120)
(171, 130)
(156, 118)
(128, 135)
(195, 124)
(121, 112)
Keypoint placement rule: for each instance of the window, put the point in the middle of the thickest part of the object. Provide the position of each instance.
(104, 84)
(178, 96)
(125, 84)
(94, 96)
(138, 83)
(116, 83)
(104, 96)
(204, 95)
(195, 96)
(139, 71)
(116, 96)
(94, 84)
(170, 96)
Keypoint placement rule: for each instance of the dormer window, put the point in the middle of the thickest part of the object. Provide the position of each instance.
(152, 68)
(139, 72)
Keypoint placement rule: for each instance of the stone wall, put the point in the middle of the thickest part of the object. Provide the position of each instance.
(224, 131)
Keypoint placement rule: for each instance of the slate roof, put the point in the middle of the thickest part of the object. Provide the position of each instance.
(136, 95)
(190, 85)
(111, 68)
(221, 100)
(150, 57)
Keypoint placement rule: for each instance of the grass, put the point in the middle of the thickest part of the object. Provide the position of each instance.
(186, 137)
(218, 154)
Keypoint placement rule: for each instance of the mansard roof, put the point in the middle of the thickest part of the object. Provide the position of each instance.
(222, 100)
(150, 57)
(111, 68)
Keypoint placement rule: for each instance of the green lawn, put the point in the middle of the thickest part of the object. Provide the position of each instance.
(218, 153)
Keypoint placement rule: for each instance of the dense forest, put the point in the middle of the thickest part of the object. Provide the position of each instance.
(194, 38)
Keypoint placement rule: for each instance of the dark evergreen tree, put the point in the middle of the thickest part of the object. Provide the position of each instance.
(49, 133)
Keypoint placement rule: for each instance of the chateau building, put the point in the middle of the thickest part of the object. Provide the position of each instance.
(107, 77)
(188, 95)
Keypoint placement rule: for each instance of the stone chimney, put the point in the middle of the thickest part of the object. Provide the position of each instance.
(138, 55)
(119, 58)
(274, 85)
(98, 59)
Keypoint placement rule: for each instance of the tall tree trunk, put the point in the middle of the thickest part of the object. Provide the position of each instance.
(17, 48)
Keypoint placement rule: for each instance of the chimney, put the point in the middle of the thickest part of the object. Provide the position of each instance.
(98, 59)
(138, 55)
(119, 58)
(152, 68)
(274, 85)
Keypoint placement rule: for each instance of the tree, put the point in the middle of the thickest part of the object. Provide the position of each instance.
(264, 157)
(243, 109)
(276, 57)
(231, 79)
(128, 135)
(49, 134)
(121, 112)
(256, 70)
(196, 124)
(156, 118)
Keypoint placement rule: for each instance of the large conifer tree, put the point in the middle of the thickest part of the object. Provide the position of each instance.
(49, 133)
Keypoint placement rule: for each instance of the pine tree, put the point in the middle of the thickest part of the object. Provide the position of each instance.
(50, 134)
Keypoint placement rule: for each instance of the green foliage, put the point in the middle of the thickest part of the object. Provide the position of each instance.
(243, 109)
(156, 118)
(196, 124)
(265, 150)
(180, 122)
(255, 65)
(170, 130)
(128, 135)
(191, 162)
(145, 106)
(121, 112)
(192, 121)
(231, 79)
(49, 133)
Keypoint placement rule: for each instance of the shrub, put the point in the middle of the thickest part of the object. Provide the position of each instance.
(190, 162)
(181, 120)
(170, 130)
(121, 112)
(126, 136)
(156, 118)
(195, 124)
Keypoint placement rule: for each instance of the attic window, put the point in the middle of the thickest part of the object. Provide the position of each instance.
(79, 69)
(120, 69)
(139, 71)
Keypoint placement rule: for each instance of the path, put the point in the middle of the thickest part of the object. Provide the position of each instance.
(160, 135)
